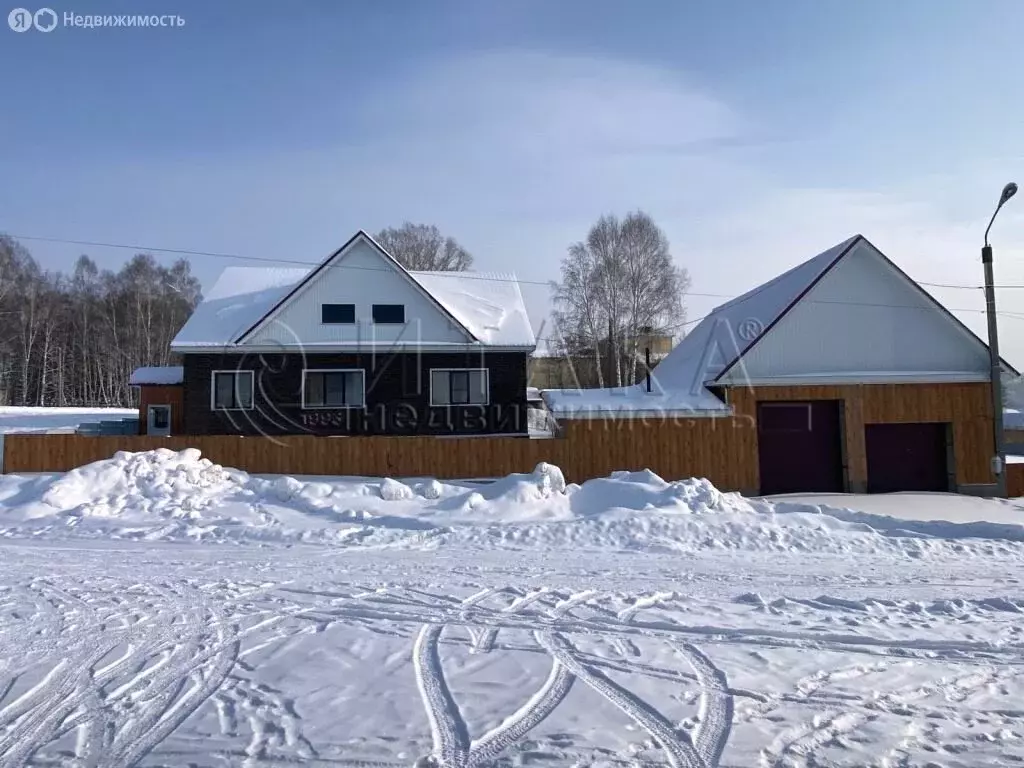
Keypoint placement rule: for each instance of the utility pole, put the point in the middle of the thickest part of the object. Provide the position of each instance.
(995, 363)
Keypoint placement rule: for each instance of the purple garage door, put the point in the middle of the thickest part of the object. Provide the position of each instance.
(799, 447)
(906, 457)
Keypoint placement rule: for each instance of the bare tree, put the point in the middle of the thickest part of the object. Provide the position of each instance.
(616, 287)
(75, 340)
(423, 247)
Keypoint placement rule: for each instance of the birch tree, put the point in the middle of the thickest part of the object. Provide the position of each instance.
(75, 339)
(616, 286)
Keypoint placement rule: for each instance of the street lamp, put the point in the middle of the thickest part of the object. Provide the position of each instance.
(995, 365)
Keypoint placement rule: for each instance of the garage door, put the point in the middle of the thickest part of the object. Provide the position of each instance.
(907, 457)
(799, 447)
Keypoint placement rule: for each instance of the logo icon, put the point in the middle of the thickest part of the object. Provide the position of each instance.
(45, 20)
(750, 329)
(20, 20)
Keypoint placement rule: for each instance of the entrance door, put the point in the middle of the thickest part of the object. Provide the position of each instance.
(907, 457)
(799, 447)
(158, 420)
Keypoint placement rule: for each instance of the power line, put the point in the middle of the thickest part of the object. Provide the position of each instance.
(304, 263)
(483, 277)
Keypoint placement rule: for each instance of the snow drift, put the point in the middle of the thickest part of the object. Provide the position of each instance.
(173, 495)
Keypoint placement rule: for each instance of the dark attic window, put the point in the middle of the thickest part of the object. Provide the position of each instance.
(389, 313)
(337, 313)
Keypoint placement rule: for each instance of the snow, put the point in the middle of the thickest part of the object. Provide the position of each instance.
(239, 298)
(730, 328)
(678, 381)
(1013, 418)
(633, 401)
(490, 305)
(29, 419)
(158, 609)
(160, 375)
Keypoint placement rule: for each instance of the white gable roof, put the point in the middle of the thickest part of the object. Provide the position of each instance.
(239, 298)
(489, 304)
(807, 324)
(458, 309)
(724, 334)
(770, 327)
(863, 320)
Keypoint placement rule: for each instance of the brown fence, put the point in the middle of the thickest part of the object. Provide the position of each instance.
(1015, 480)
(721, 449)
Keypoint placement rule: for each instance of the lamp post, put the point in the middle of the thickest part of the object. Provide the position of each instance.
(995, 366)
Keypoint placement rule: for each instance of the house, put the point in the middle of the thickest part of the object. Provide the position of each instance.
(357, 345)
(847, 375)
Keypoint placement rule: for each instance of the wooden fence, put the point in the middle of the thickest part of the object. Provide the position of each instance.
(721, 449)
(724, 450)
(1015, 480)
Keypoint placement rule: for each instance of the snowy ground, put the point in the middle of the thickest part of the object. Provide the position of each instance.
(18, 419)
(156, 610)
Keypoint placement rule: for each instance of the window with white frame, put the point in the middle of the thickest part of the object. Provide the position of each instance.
(334, 388)
(459, 386)
(231, 390)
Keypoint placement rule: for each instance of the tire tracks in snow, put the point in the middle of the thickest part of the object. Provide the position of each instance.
(677, 747)
(447, 727)
(716, 706)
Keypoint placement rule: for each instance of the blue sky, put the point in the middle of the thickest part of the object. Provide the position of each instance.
(757, 134)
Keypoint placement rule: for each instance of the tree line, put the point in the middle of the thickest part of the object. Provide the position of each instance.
(74, 339)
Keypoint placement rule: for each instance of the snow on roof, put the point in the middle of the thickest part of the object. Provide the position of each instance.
(159, 374)
(632, 401)
(240, 297)
(1013, 418)
(730, 328)
(489, 304)
(678, 381)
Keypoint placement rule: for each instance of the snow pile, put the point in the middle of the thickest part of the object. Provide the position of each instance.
(161, 483)
(645, 490)
(165, 494)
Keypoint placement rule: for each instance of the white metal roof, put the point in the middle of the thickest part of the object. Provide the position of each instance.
(719, 342)
(489, 305)
(158, 375)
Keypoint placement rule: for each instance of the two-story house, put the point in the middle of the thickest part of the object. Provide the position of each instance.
(357, 345)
